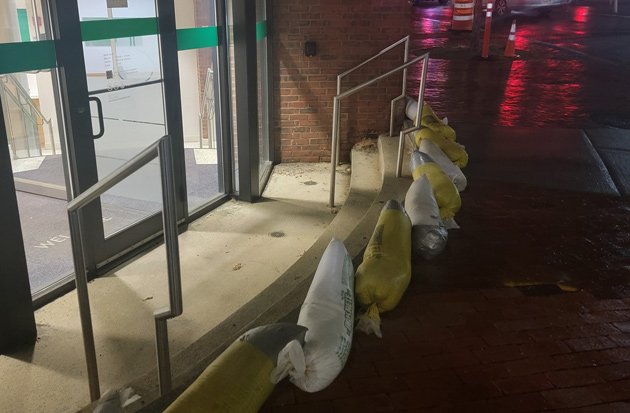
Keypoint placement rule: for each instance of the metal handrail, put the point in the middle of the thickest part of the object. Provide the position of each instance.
(205, 108)
(162, 150)
(27, 97)
(404, 40)
(418, 121)
(336, 104)
(24, 95)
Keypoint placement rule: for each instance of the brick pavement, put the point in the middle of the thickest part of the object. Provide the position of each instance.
(483, 350)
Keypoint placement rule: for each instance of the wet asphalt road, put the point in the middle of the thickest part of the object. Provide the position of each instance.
(571, 71)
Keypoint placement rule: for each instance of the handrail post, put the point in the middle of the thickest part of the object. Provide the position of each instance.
(417, 122)
(81, 281)
(333, 148)
(404, 89)
(161, 149)
(336, 102)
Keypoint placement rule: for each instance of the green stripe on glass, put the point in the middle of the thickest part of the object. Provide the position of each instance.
(20, 57)
(197, 38)
(117, 28)
(261, 30)
(25, 33)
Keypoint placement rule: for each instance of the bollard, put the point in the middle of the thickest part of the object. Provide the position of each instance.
(509, 47)
(463, 11)
(486, 32)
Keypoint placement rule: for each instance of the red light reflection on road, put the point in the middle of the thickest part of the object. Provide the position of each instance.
(581, 14)
(531, 100)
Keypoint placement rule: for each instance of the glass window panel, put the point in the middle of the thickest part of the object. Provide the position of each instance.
(198, 76)
(263, 85)
(35, 144)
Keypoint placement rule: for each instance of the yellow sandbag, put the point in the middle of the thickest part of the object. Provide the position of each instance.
(445, 192)
(430, 120)
(453, 150)
(385, 272)
(239, 379)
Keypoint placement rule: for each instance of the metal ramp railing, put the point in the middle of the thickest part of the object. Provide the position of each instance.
(405, 41)
(335, 144)
(207, 113)
(162, 150)
(23, 130)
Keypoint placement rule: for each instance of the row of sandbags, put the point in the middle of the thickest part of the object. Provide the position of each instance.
(418, 227)
(314, 351)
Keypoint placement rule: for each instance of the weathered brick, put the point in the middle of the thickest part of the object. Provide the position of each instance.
(576, 377)
(531, 402)
(624, 327)
(531, 365)
(572, 397)
(345, 36)
(499, 353)
(524, 384)
(590, 343)
(544, 348)
(314, 407)
(374, 403)
(614, 391)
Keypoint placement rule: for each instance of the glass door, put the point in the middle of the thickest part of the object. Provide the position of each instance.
(115, 98)
(125, 87)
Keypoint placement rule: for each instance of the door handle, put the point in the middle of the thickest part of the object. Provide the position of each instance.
(99, 110)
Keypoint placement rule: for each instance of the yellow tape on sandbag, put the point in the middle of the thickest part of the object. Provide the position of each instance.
(430, 120)
(453, 150)
(239, 379)
(445, 192)
(385, 272)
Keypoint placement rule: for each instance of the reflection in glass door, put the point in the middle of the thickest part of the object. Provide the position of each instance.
(197, 39)
(262, 74)
(122, 63)
(36, 147)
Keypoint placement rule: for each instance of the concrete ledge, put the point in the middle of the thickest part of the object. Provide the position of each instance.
(370, 189)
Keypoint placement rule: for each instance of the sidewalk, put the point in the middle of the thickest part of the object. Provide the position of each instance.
(483, 351)
(528, 309)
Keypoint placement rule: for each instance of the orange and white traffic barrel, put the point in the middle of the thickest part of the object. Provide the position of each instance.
(463, 11)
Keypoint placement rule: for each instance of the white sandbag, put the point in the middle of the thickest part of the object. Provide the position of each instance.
(412, 108)
(328, 313)
(428, 234)
(452, 171)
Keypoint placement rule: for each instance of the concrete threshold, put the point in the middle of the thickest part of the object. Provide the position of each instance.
(229, 258)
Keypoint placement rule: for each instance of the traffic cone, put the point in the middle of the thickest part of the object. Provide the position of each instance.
(509, 47)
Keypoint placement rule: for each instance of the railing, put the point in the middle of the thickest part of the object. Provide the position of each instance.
(11, 89)
(162, 150)
(404, 40)
(206, 112)
(336, 104)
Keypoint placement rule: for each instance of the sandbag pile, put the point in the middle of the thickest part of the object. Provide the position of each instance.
(444, 190)
(239, 379)
(314, 351)
(430, 119)
(328, 313)
(385, 272)
(428, 233)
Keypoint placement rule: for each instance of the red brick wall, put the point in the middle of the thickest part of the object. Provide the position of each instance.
(346, 32)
